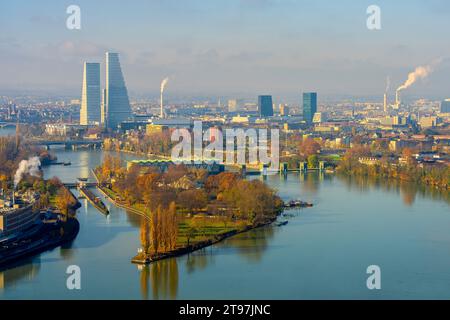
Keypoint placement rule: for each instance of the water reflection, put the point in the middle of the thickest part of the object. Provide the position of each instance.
(84, 164)
(25, 270)
(134, 219)
(311, 181)
(250, 245)
(199, 260)
(162, 276)
(408, 191)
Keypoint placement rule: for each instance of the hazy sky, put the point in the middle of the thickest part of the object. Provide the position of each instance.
(228, 46)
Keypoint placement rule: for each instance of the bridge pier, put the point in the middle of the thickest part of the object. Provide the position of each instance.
(284, 168)
(243, 170)
(303, 166)
(263, 168)
(321, 166)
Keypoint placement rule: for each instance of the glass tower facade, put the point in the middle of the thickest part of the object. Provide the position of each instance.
(265, 106)
(117, 103)
(309, 106)
(90, 95)
(445, 106)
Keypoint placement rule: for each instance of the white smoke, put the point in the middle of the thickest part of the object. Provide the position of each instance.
(30, 166)
(388, 84)
(164, 84)
(420, 73)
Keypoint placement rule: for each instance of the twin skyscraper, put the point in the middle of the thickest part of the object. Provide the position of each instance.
(110, 106)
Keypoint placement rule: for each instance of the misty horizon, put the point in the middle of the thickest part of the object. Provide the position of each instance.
(320, 47)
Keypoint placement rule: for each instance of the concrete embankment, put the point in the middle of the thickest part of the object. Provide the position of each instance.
(95, 201)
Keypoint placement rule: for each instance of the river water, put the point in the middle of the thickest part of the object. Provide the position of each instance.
(322, 253)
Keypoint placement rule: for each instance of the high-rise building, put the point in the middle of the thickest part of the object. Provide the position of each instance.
(117, 103)
(103, 112)
(445, 106)
(309, 106)
(90, 96)
(265, 106)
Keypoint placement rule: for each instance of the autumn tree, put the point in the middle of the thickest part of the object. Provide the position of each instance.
(313, 161)
(308, 147)
(194, 199)
(253, 200)
(407, 154)
(64, 201)
(145, 235)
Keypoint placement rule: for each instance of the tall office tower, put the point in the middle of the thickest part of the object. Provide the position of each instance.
(265, 106)
(90, 96)
(309, 106)
(103, 112)
(117, 103)
(445, 106)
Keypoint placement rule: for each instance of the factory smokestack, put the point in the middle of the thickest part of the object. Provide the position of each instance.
(163, 87)
(388, 85)
(397, 98)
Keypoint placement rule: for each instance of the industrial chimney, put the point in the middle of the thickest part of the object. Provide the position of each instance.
(397, 99)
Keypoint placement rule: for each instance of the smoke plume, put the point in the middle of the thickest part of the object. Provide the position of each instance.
(420, 73)
(388, 84)
(30, 166)
(164, 84)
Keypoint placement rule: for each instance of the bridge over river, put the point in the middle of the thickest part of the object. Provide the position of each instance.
(67, 143)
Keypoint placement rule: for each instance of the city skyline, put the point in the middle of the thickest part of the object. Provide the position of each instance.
(330, 50)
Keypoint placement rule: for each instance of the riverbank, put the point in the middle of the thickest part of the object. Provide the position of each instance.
(436, 177)
(396, 179)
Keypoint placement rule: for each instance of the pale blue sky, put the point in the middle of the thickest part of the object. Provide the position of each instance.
(228, 46)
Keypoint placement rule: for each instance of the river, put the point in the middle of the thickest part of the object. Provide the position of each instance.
(322, 253)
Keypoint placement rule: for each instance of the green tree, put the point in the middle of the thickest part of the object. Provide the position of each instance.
(313, 161)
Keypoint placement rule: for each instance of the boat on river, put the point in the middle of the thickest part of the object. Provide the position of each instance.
(297, 204)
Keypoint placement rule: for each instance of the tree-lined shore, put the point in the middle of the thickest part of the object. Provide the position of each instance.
(186, 207)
